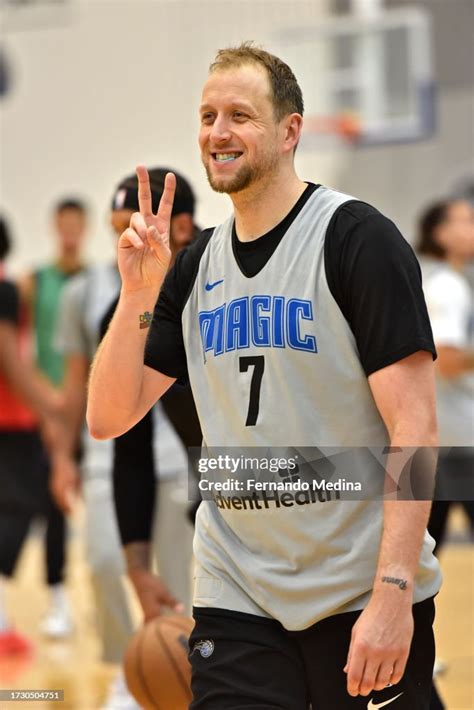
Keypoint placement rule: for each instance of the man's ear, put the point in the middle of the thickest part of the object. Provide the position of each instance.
(182, 228)
(293, 126)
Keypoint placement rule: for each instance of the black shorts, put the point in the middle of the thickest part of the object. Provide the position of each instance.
(244, 661)
(23, 472)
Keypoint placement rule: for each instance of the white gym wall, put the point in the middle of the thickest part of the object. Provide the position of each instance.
(117, 85)
(112, 83)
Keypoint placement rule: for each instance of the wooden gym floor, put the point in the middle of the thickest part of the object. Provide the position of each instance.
(73, 665)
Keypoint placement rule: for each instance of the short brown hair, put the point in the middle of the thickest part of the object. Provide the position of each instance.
(286, 93)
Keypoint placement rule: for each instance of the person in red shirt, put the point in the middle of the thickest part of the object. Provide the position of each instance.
(28, 404)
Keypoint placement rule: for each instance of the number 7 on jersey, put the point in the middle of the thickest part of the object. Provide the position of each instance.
(258, 363)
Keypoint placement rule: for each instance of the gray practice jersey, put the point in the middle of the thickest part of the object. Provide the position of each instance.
(273, 362)
(85, 299)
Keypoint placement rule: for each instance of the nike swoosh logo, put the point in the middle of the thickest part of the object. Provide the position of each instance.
(382, 705)
(209, 286)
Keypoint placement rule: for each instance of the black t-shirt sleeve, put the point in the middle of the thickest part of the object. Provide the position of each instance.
(133, 472)
(9, 302)
(375, 278)
(165, 346)
(134, 481)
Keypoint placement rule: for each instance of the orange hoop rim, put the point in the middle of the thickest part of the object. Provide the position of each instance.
(346, 125)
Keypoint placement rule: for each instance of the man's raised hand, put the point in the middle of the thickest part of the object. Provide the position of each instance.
(143, 249)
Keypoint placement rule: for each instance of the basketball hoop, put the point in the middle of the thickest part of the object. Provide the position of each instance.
(346, 126)
(367, 77)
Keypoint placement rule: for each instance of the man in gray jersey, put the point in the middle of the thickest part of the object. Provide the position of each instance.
(284, 320)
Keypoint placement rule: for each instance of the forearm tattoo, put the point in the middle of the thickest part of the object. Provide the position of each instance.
(402, 583)
(145, 319)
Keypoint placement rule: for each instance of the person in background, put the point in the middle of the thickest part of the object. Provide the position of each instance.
(28, 404)
(41, 290)
(85, 301)
(149, 463)
(446, 246)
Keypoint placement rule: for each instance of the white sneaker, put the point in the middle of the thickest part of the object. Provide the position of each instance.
(440, 667)
(119, 698)
(57, 623)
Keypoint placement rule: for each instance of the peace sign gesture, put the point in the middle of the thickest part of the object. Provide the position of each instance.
(143, 249)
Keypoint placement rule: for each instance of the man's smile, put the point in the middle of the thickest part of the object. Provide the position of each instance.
(226, 157)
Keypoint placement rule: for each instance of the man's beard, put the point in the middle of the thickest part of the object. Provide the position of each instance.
(245, 176)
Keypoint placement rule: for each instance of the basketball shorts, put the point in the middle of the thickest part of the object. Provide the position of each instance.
(23, 473)
(240, 661)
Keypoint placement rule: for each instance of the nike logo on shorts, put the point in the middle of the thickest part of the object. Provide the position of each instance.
(381, 705)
